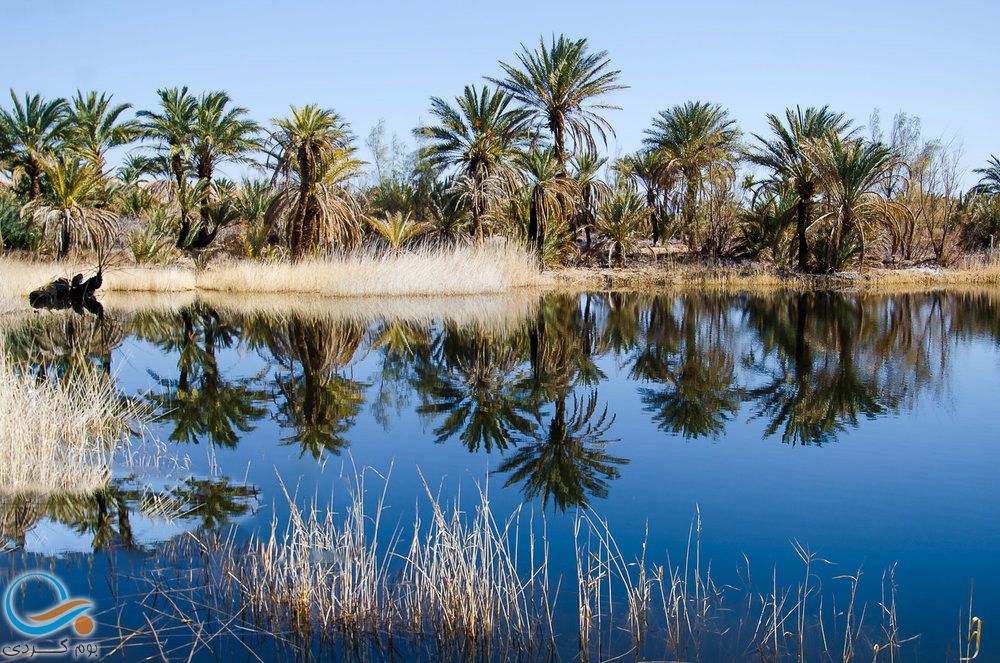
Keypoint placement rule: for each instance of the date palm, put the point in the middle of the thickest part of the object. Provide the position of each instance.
(96, 125)
(31, 132)
(651, 171)
(694, 137)
(313, 159)
(854, 174)
(398, 229)
(71, 206)
(479, 137)
(172, 127)
(989, 182)
(593, 190)
(619, 220)
(784, 156)
(551, 194)
(559, 84)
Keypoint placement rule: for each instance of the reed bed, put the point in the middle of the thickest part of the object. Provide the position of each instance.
(491, 267)
(469, 584)
(58, 435)
(459, 585)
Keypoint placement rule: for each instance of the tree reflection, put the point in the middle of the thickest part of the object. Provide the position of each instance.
(317, 397)
(201, 403)
(566, 459)
(107, 515)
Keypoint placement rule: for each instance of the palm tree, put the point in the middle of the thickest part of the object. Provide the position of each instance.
(73, 204)
(398, 229)
(251, 204)
(313, 153)
(479, 137)
(559, 84)
(619, 221)
(593, 190)
(649, 169)
(220, 134)
(854, 173)
(30, 133)
(784, 156)
(96, 126)
(989, 183)
(551, 193)
(694, 136)
(173, 129)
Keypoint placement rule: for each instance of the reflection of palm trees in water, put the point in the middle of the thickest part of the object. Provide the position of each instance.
(816, 387)
(107, 514)
(201, 403)
(696, 392)
(64, 344)
(318, 401)
(566, 460)
(473, 384)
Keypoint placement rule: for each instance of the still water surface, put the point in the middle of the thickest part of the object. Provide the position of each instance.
(862, 426)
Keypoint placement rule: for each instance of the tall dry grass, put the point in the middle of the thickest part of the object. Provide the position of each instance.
(459, 583)
(55, 435)
(465, 269)
(491, 267)
(470, 584)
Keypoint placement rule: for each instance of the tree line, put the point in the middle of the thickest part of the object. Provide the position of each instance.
(518, 156)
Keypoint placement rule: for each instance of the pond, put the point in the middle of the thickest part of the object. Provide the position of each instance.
(860, 427)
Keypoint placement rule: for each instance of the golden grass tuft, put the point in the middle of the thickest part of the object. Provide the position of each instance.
(57, 436)
(492, 267)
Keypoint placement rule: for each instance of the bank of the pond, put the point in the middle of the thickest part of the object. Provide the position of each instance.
(461, 271)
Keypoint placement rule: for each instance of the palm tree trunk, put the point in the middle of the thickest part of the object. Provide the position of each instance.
(690, 211)
(801, 223)
(653, 221)
(64, 236)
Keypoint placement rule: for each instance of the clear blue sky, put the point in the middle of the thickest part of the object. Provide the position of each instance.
(382, 60)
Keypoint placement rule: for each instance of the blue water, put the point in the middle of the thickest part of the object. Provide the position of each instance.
(861, 426)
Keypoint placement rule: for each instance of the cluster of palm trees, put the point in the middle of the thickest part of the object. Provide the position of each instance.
(518, 156)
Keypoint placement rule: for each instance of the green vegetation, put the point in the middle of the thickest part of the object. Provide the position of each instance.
(518, 157)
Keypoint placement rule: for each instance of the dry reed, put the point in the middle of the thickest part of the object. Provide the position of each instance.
(58, 435)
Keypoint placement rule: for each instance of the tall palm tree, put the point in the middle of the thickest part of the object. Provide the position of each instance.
(72, 204)
(989, 183)
(784, 156)
(694, 136)
(30, 133)
(854, 173)
(552, 194)
(313, 154)
(172, 127)
(221, 133)
(593, 190)
(479, 136)
(650, 170)
(96, 126)
(559, 84)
